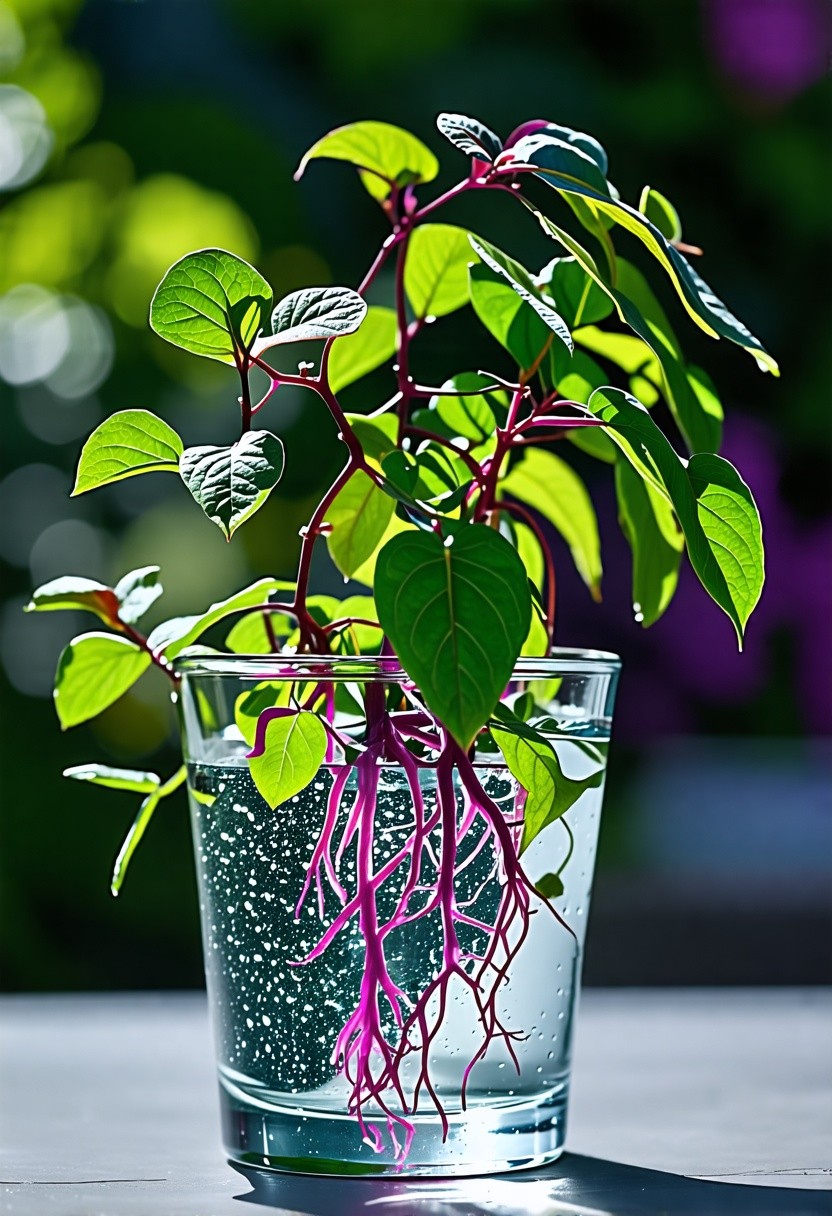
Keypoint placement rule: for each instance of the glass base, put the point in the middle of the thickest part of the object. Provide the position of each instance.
(483, 1140)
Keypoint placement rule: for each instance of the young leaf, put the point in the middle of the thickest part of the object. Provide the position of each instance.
(288, 750)
(315, 312)
(436, 269)
(661, 212)
(520, 281)
(587, 144)
(457, 613)
(648, 522)
(362, 352)
(535, 765)
(211, 303)
(136, 591)
(515, 325)
(386, 155)
(712, 503)
(358, 517)
(173, 636)
(470, 135)
(94, 670)
(71, 592)
(114, 778)
(231, 483)
(547, 483)
(127, 443)
(137, 831)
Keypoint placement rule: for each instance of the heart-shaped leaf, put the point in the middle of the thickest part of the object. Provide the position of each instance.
(520, 281)
(211, 303)
(315, 313)
(127, 443)
(387, 156)
(231, 483)
(470, 135)
(436, 269)
(457, 612)
(94, 670)
(289, 748)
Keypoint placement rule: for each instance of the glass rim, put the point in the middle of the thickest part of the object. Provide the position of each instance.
(561, 660)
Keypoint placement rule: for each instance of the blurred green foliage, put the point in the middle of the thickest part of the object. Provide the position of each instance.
(161, 126)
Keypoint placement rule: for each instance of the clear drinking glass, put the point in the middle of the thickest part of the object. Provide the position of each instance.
(283, 1103)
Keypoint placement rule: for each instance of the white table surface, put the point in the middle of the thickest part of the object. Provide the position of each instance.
(684, 1101)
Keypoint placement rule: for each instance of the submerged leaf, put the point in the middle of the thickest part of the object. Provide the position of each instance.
(288, 750)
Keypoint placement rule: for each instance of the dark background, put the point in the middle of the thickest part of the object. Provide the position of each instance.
(176, 124)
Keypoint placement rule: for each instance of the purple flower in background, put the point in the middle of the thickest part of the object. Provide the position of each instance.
(770, 48)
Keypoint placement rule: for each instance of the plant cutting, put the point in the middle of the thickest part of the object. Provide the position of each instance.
(395, 795)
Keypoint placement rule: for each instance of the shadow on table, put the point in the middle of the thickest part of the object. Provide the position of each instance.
(573, 1186)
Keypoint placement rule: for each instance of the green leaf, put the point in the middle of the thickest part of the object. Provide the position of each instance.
(550, 886)
(730, 520)
(136, 591)
(71, 592)
(231, 483)
(315, 313)
(471, 416)
(211, 303)
(535, 765)
(436, 269)
(287, 753)
(699, 417)
(137, 831)
(580, 141)
(470, 135)
(712, 503)
(661, 212)
(648, 522)
(249, 634)
(114, 778)
(571, 173)
(520, 281)
(530, 552)
(387, 155)
(358, 518)
(171, 637)
(547, 483)
(362, 352)
(377, 436)
(576, 295)
(457, 613)
(94, 670)
(128, 443)
(514, 324)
